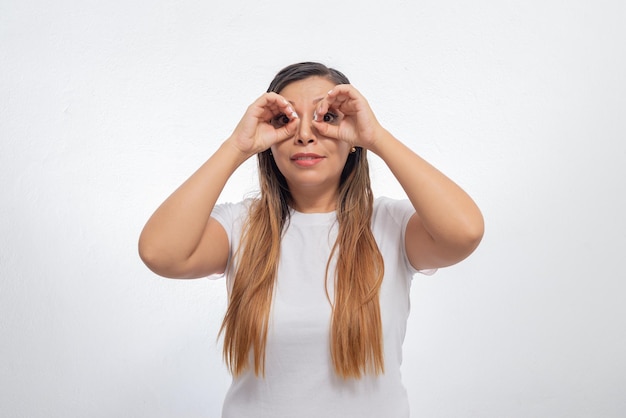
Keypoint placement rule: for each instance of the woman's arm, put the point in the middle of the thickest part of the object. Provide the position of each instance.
(447, 225)
(181, 240)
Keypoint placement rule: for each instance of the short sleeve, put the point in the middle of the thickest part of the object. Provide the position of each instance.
(397, 213)
(225, 214)
(231, 216)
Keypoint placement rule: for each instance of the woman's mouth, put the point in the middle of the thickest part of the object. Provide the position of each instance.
(306, 159)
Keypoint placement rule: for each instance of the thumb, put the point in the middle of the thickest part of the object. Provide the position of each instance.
(286, 131)
(326, 129)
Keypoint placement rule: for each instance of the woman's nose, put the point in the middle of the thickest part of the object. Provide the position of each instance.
(306, 134)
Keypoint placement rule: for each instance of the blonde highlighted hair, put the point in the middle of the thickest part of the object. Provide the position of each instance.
(356, 337)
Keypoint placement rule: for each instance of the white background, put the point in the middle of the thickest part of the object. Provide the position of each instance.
(107, 106)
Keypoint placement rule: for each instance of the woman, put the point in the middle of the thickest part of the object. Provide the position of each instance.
(318, 271)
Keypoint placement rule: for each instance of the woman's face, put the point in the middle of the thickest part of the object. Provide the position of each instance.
(309, 160)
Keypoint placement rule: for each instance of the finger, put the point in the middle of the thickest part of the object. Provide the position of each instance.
(327, 130)
(279, 104)
(272, 104)
(286, 132)
(342, 93)
(339, 99)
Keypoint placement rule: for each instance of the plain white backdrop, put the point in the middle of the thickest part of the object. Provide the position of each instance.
(107, 106)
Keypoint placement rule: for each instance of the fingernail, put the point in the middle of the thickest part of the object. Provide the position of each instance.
(292, 112)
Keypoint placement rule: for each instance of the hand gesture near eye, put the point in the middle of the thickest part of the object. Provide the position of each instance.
(258, 128)
(345, 114)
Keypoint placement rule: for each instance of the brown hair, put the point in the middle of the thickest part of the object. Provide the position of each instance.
(356, 341)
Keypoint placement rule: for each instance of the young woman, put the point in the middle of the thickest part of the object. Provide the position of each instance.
(318, 271)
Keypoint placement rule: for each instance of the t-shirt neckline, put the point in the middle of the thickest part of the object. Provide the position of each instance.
(319, 218)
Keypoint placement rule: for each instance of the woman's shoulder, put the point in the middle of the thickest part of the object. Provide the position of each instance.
(229, 212)
(235, 206)
(390, 207)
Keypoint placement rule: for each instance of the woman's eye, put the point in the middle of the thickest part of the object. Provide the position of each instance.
(279, 121)
(330, 117)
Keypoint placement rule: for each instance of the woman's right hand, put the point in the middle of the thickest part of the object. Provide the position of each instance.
(181, 240)
(264, 124)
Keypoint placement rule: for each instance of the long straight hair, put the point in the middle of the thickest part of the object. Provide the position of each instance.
(356, 338)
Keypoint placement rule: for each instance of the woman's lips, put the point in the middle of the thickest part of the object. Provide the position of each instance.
(306, 159)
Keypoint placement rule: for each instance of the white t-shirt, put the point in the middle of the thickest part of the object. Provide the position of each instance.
(299, 377)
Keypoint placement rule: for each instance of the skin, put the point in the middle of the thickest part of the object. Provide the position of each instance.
(314, 188)
(181, 240)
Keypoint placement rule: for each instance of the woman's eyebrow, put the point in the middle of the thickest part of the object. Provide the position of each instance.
(314, 101)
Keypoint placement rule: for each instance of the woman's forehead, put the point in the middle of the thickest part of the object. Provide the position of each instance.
(311, 89)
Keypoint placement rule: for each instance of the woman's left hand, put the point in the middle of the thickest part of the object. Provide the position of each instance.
(355, 121)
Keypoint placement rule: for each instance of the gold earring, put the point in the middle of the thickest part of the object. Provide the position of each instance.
(353, 149)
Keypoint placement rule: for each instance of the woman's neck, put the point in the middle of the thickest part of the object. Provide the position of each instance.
(314, 202)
